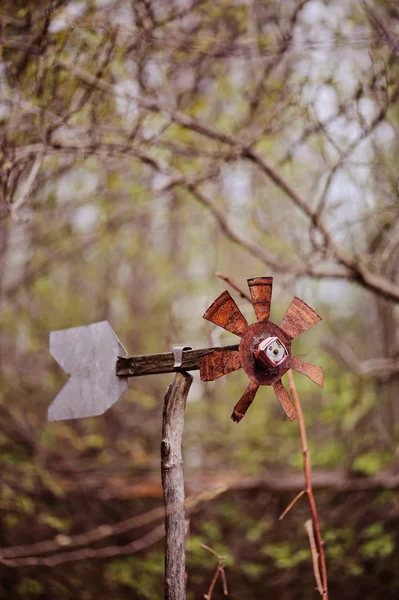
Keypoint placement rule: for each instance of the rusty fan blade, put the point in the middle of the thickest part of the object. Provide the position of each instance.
(298, 318)
(219, 363)
(225, 313)
(314, 373)
(261, 294)
(244, 402)
(285, 400)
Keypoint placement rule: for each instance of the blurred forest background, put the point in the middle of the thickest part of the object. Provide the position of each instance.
(145, 145)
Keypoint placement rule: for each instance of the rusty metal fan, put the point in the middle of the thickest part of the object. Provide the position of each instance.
(265, 349)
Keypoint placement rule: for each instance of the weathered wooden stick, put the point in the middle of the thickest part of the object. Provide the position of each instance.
(173, 486)
(134, 366)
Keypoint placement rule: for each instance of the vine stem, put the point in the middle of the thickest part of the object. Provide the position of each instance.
(309, 488)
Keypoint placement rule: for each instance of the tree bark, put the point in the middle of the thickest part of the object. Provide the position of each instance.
(173, 486)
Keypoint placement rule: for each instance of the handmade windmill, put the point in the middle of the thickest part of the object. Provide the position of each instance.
(98, 365)
(265, 349)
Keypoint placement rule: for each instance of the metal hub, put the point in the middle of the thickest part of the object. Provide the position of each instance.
(253, 356)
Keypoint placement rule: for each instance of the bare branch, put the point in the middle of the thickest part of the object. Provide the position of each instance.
(291, 504)
(381, 28)
(231, 283)
(219, 571)
(315, 555)
(380, 368)
(28, 186)
(354, 271)
(106, 530)
(89, 553)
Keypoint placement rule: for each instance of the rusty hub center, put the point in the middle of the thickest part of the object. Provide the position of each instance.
(254, 356)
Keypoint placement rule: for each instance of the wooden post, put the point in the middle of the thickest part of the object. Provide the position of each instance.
(173, 486)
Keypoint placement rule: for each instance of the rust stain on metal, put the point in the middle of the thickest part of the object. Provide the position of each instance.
(261, 294)
(225, 313)
(285, 400)
(298, 318)
(219, 363)
(265, 348)
(312, 371)
(245, 402)
(250, 342)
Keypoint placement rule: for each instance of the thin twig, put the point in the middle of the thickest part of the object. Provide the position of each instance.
(27, 189)
(315, 555)
(234, 286)
(291, 504)
(219, 571)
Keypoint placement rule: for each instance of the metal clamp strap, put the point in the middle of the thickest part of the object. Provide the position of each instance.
(178, 355)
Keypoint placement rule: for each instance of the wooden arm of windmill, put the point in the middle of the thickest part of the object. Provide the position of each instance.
(134, 366)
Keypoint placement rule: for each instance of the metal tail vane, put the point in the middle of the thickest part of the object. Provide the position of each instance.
(88, 354)
(99, 366)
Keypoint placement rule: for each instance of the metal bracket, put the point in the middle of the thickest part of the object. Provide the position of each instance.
(178, 355)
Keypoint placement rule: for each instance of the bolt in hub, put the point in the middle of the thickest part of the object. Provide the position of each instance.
(271, 352)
